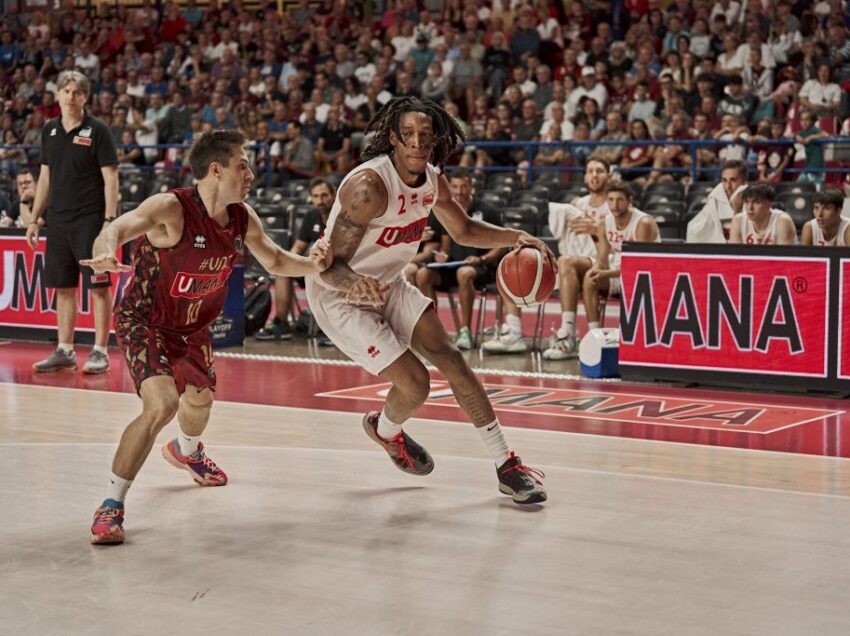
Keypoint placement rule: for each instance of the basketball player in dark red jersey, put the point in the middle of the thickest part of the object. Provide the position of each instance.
(187, 240)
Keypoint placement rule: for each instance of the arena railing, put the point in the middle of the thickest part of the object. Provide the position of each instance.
(178, 164)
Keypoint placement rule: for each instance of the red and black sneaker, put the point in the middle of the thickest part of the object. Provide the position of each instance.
(518, 481)
(406, 454)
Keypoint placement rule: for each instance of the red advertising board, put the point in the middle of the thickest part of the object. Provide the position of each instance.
(24, 300)
(738, 314)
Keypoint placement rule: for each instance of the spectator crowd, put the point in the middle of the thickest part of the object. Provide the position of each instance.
(307, 80)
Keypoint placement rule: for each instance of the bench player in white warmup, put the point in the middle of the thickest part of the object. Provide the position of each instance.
(759, 224)
(367, 308)
(828, 228)
(624, 223)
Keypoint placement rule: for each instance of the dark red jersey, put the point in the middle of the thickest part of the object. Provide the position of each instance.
(182, 289)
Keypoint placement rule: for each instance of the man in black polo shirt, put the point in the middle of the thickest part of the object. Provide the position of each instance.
(312, 227)
(479, 264)
(78, 188)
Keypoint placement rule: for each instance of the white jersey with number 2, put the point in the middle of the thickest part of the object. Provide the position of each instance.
(392, 239)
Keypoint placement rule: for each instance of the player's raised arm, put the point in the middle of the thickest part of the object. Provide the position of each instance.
(160, 217)
(362, 198)
(279, 261)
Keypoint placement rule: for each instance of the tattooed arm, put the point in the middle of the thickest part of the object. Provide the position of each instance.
(362, 198)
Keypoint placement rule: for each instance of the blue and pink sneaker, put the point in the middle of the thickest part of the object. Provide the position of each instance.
(108, 525)
(202, 469)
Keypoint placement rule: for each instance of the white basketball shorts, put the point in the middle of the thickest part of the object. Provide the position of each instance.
(374, 338)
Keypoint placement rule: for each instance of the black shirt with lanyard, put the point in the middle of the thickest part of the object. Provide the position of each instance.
(75, 158)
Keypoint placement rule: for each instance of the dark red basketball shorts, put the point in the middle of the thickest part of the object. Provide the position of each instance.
(150, 352)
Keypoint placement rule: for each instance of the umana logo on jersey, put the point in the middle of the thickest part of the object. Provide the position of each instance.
(406, 234)
(192, 285)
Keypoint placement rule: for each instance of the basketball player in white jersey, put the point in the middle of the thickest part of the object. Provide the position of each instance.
(759, 224)
(367, 308)
(623, 223)
(576, 228)
(575, 225)
(828, 228)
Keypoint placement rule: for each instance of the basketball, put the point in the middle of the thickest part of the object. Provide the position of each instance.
(526, 277)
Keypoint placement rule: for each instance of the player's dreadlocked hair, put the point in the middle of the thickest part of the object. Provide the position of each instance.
(447, 134)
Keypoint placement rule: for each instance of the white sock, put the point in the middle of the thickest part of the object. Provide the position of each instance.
(593, 325)
(67, 348)
(568, 324)
(188, 444)
(387, 429)
(514, 324)
(495, 442)
(99, 349)
(117, 487)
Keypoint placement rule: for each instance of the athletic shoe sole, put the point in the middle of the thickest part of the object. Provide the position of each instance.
(171, 459)
(532, 498)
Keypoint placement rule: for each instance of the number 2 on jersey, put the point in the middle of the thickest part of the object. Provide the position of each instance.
(403, 209)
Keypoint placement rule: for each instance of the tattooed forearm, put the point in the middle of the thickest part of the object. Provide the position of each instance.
(340, 276)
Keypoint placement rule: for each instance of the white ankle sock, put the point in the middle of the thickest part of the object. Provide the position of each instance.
(387, 429)
(495, 442)
(117, 487)
(67, 348)
(568, 324)
(188, 444)
(99, 349)
(514, 324)
(592, 325)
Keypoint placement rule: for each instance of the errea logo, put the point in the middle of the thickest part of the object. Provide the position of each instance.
(373, 351)
(200, 241)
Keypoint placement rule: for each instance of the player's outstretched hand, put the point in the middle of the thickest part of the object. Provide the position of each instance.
(367, 290)
(105, 263)
(526, 240)
(321, 255)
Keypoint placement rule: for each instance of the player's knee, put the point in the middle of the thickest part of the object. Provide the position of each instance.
(161, 411)
(565, 264)
(416, 384)
(198, 400)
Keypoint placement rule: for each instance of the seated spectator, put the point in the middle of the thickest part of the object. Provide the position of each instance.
(759, 224)
(436, 85)
(641, 107)
(773, 158)
(613, 132)
(808, 136)
(298, 156)
(732, 129)
(334, 147)
(828, 228)
(557, 116)
(623, 223)
(490, 156)
(671, 155)
(736, 101)
(20, 210)
(479, 265)
(11, 159)
(712, 223)
(821, 96)
(129, 152)
(637, 155)
(311, 229)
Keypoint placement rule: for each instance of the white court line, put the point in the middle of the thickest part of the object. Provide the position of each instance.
(592, 471)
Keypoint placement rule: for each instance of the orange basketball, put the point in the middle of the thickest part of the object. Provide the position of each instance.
(526, 277)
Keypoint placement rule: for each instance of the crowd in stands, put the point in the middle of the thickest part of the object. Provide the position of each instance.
(306, 81)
